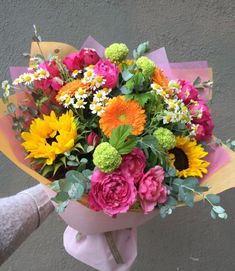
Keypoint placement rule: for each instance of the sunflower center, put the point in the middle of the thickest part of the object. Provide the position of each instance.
(50, 140)
(122, 117)
(181, 159)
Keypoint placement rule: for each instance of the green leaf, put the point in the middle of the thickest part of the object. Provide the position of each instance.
(55, 186)
(197, 81)
(60, 197)
(128, 146)
(119, 135)
(72, 157)
(191, 182)
(76, 191)
(189, 199)
(125, 90)
(126, 75)
(75, 176)
(213, 214)
(90, 148)
(201, 189)
(56, 167)
(218, 209)
(141, 49)
(171, 171)
(142, 98)
(84, 161)
(11, 108)
(47, 169)
(65, 185)
(72, 163)
(214, 199)
(61, 207)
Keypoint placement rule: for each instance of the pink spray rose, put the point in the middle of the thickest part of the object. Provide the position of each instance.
(51, 67)
(199, 111)
(73, 61)
(89, 56)
(134, 164)
(205, 130)
(109, 71)
(151, 189)
(53, 80)
(113, 193)
(188, 92)
(93, 139)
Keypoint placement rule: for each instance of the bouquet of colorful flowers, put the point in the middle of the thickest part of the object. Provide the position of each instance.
(115, 135)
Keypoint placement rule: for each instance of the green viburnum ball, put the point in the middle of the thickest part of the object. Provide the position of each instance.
(116, 52)
(165, 138)
(146, 65)
(106, 157)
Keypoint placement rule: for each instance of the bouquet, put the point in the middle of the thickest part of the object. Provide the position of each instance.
(115, 139)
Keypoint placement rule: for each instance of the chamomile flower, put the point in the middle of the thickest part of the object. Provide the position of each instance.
(99, 96)
(173, 105)
(89, 75)
(174, 85)
(169, 117)
(193, 129)
(81, 93)
(27, 78)
(107, 90)
(6, 87)
(80, 103)
(42, 74)
(68, 101)
(96, 108)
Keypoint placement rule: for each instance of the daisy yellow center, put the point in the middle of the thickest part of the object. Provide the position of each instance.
(42, 72)
(79, 102)
(81, 91)
(27, 78)
(99, 95)
(89, 73)
(99, 79)
(98, 108)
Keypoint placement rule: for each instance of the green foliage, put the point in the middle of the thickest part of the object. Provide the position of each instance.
(185, 189)
(155, 154)
(72, 187)
(142, 49)
(230, 143)
(141, 98)
(122, 140)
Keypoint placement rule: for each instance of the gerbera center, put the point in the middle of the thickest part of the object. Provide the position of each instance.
(181, 159)
(122, 117)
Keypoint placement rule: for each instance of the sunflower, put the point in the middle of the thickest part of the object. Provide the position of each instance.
(186, 158)
(70, 88)
(50, 136)
(122, 112)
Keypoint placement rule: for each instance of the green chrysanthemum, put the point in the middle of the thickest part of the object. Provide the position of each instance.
(146, 65)
(116, 52)
(106, 157)
(165, 138)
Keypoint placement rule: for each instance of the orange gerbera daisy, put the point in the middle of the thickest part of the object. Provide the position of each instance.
(70, 89)
(160, 78)
(122, 112)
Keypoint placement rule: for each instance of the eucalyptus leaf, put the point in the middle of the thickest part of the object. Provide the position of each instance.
(76, 191)
(126, 75)
(61, 207)
(214, 199)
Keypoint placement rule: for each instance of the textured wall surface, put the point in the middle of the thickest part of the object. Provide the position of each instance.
(190, 30)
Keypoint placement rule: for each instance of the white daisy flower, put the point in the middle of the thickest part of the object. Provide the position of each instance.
(81, 93)
(68, 101)
(99, 96)
(80, 103)
(96, 108)
(174, 85)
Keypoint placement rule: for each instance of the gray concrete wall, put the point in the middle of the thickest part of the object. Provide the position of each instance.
(190, 30)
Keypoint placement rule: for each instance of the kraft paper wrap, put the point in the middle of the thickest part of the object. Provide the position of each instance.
(221, 174)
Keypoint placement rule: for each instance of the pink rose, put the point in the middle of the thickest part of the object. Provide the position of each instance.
(93, 139)
(73, 61)
(134, 164)
(199, 111)
(188, 92)
(113, 193)
(151, 189)
(89, 56)
(109, 71)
